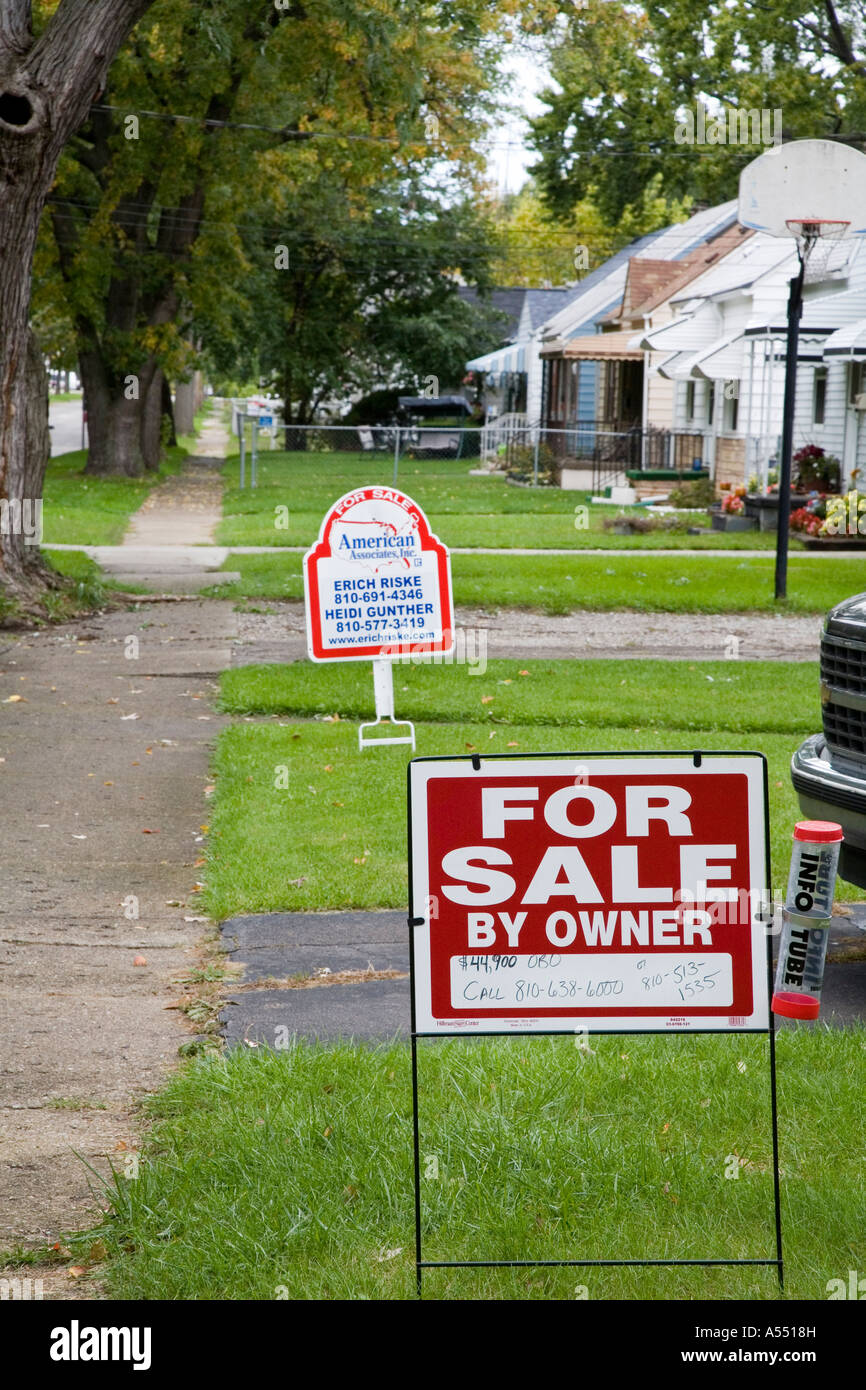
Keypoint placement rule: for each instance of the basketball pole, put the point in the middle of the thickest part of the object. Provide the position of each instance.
(795, 310)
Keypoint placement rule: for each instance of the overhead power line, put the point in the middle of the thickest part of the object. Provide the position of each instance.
(645, 149)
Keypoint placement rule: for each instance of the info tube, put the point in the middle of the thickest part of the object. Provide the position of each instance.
(806, 917)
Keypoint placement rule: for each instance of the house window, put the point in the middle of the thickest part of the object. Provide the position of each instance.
(856, 381)
(690, 400)
(819, 398)
(711, 401)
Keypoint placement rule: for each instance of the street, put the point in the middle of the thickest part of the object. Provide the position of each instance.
(64, 418)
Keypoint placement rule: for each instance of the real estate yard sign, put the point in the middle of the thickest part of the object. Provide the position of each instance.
(556, 893)
(377, 581)
(606, 893)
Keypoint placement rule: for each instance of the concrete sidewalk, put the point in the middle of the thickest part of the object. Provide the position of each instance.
(168, 546)
(103, 764)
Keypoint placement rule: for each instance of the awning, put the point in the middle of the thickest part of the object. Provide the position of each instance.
(722, 360)
(603, 347)
(507, 359)
(847, 344)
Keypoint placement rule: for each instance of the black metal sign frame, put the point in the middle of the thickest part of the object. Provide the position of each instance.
(415, 921)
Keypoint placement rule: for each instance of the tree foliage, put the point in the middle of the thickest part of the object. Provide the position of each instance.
(539, 248)
(626, 74)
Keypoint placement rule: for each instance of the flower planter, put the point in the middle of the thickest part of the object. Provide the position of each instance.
(733, 521)
(764, 508)
(834, 542)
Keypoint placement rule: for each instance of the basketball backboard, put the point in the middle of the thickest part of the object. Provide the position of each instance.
(805, 181)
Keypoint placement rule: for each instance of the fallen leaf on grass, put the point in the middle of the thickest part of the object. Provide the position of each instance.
(76, 1271)
(140, 960)
(14, 700)
(389, 1254)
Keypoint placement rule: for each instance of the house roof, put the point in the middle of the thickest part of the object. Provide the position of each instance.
(541, 304)
(512, 301)
(601, 292)
(508, 300)
(650, 281)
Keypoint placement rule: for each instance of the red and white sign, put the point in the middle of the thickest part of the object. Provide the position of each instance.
(602, 893)
(377, 581)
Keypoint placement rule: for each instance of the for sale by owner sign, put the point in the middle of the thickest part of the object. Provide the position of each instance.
(377, 581)
(609, 893)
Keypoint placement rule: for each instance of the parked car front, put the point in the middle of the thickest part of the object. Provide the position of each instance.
(829, 769)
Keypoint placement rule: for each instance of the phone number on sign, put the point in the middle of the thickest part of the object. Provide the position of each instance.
(655, 980)
(378, 625)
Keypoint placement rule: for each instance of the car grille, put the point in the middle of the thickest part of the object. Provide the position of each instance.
(843, 670)
(845, 728)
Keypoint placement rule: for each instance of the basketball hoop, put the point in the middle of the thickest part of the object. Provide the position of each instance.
(815, 237)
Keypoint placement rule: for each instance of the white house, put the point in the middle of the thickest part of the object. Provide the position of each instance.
(724, 355)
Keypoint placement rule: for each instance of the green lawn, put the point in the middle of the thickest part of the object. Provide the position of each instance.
(462, 510)
(274, 1174)
(744, 697)
(83, 510)
(648, 582)
(335, 837)
(348, 810)
(288, 1174)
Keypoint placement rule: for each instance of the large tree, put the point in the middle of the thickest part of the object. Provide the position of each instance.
(223, 106)
(48, 80)
(365, 294)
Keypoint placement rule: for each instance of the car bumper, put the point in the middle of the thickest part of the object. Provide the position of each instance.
(826, 791)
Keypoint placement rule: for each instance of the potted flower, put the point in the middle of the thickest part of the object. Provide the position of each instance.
(731, 515)
(813, 470)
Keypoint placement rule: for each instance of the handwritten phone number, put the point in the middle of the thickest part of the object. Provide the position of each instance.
(687, 978)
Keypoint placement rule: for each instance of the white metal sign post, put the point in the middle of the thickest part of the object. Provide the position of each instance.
(377, 586)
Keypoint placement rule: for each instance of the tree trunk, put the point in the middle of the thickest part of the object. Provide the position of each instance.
(184, 406)
(46, 87)
(113, 422)
(170, 426)
(151, 422)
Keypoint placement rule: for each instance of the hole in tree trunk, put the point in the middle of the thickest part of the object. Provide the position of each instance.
(15, 109)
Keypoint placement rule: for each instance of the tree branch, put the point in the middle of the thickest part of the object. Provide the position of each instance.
(16, 26)
(70, 60)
